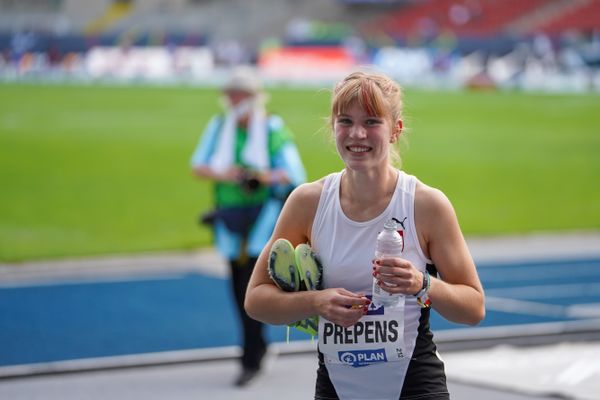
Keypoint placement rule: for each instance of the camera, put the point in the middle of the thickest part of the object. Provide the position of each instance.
(249, 181)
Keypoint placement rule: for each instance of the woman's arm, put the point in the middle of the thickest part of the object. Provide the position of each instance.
(266, 302)
(457, 293)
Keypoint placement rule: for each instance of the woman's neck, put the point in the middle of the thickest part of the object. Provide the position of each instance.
(364, 195)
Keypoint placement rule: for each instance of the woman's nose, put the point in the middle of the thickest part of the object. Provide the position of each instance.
(358, 132)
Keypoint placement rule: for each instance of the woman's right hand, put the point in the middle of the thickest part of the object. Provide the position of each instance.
(341, 306)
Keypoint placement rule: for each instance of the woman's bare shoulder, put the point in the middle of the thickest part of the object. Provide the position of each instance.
(429, 197)
(433, 210)
(305, 198)
(309, 191)
(295, 220)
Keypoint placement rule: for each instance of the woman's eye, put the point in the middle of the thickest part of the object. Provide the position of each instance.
(373, 121)
(344, 121)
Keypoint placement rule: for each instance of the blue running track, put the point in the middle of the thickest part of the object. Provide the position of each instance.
(75, 320)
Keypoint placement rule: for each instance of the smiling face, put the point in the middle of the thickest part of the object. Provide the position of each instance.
(365, 117)
(362, 140)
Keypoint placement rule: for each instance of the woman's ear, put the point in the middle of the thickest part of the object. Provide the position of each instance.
(396, 132)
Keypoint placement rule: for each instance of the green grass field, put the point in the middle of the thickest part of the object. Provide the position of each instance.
(93, 170)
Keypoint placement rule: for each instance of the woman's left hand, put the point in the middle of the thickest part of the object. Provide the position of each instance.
(397, 275)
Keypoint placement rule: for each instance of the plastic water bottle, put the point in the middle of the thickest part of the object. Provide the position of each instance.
(389, 244)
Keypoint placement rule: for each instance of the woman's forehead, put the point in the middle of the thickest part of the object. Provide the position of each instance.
(356, 108)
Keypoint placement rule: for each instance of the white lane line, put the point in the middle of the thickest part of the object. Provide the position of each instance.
(91, 280)
(529, 273)
(525, 307)
(590, 310)
(546, 291)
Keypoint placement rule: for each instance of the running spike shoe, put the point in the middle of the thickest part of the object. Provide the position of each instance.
(309, 267)
(311, 277)
(308, 325)
(294, 270)
(282, 266)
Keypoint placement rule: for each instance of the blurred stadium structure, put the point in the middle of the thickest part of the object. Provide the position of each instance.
(547, 45)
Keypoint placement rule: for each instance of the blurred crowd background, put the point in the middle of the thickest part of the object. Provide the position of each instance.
(542, 45)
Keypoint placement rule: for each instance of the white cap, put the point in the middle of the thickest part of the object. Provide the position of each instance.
(243, 78)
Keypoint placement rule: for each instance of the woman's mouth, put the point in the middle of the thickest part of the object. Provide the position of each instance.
(358, 149)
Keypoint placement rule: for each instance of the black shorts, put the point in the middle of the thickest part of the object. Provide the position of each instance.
(425, 380)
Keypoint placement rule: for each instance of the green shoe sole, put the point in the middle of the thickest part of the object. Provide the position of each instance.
(282, 266)
(309, 267)
(311, 278)
(308, 325)
(293, 270)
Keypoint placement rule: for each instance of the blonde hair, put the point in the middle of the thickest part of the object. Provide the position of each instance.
(377, 94)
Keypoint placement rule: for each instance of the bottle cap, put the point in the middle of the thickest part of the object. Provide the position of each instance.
(390, 224)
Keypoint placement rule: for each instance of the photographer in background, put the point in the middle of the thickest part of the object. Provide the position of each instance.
(254, 164)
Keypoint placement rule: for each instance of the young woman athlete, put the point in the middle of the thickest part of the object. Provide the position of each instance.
(368, 352)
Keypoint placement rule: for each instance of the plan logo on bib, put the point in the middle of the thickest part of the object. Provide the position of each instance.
(360, 358)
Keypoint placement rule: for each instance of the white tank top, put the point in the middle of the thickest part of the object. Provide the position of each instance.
(346, 249)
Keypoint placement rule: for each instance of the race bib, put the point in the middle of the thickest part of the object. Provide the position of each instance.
(377, 337)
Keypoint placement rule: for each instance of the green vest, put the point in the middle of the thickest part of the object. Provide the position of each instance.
(229, 194)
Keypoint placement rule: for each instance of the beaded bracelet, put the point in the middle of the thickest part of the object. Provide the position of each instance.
(422, 297)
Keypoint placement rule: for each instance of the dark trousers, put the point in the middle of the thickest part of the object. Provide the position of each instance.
(254, 345)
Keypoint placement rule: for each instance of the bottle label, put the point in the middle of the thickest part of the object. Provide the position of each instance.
(377, 337)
